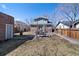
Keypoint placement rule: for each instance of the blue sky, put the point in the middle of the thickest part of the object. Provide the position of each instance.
(23, 11)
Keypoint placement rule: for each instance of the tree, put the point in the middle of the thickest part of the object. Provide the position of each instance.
(70, 12)
(56, 17)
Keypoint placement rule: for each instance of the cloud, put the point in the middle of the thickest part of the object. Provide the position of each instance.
(5, 7)
(17, 19)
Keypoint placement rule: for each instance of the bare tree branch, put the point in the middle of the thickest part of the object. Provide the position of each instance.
(69, 11)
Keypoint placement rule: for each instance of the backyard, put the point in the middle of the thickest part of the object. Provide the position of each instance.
(39, 29)
(46, 46)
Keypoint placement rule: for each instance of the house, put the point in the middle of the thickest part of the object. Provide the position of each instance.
(68, 28)
(67, 24)
(6, 26)
(20, 26)
(76, 24)
(63, 25)
(41, 23)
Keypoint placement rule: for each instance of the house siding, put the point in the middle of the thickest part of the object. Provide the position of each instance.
(62, 26)
(4, 19)
(77, 26)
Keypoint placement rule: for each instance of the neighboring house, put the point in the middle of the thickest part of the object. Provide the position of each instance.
(21, 26)
(76, 24)
(63, 25)
(41, 23)
(6, 26)
(67, 24)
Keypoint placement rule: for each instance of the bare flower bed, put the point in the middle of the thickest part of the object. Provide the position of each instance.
(53, 46)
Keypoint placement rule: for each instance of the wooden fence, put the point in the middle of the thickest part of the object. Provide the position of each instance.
(73, 33)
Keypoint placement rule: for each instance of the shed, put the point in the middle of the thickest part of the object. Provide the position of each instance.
(6, 26)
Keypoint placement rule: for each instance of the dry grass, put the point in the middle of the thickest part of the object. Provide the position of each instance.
(28, 33)
(54, 46)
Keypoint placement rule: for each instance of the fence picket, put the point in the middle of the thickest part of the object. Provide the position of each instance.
(73, 33)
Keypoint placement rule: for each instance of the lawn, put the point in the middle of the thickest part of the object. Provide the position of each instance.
(53, 46)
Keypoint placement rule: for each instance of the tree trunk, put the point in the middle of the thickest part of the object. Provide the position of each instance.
(21, 33)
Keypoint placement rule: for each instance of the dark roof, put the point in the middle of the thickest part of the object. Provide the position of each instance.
(5, 14)
(76, 22)
(49, 22)
(41, 18)
(1, 13)
(68, 23)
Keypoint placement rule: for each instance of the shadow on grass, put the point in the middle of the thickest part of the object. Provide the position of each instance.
(11, 44)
